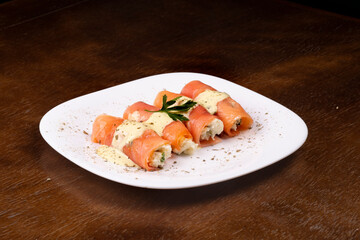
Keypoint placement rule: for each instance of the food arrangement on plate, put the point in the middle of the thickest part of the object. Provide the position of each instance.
(180, 123)
(275, 133)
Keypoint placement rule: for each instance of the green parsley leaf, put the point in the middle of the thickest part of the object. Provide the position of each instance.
(162, 157)
(175, 112)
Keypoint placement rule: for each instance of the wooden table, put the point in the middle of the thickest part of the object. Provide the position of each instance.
(305, 59)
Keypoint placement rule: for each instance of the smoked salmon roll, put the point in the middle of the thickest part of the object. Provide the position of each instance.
(203, 126)
(230, 112)
(175, 132)
(104, 128)
(136, 140)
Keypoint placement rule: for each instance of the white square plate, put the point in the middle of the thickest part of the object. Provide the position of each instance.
(277, 132)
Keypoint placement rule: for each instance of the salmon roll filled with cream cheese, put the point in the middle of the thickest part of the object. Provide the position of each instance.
(203, 126)
(234, 117)
(175, 132)
(136, 140)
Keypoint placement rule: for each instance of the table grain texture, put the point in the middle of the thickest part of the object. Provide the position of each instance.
(305, 59)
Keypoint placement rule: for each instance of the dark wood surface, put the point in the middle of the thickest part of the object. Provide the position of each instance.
(305, 59)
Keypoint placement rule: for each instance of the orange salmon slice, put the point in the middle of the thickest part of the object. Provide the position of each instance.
(140, 107)
(142, 148)
(104, 127)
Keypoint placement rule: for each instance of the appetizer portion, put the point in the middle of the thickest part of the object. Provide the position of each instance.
(234, 117)
(203, 126)
(179, 123)
(175, 132)
(136, 140)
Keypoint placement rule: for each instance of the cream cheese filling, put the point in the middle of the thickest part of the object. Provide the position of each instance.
(210, 131)
(187, 147)
(158, 158)
(236, 124)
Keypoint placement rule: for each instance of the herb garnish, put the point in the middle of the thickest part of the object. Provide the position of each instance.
(174, 112)
(162, 157)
